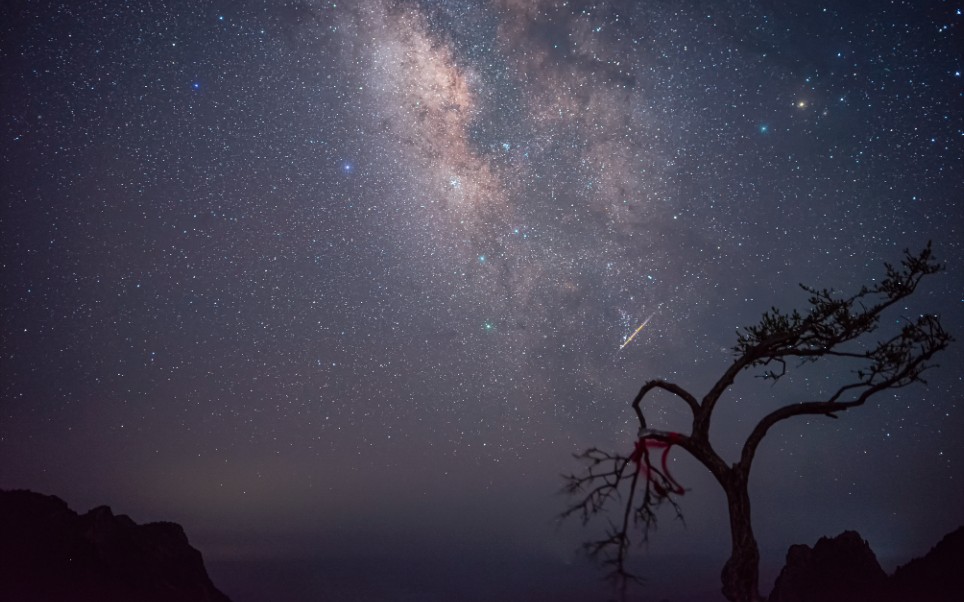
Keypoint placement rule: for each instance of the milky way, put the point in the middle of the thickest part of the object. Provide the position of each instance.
(303, 276)
(524, 189)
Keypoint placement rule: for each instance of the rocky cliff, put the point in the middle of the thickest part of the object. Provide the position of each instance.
(49, 552)
(844, 568)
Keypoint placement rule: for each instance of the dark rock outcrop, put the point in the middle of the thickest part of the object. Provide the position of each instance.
(49, 552)
(844, 568)
(840, 569)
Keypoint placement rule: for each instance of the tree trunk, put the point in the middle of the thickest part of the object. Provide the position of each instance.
(741, 573)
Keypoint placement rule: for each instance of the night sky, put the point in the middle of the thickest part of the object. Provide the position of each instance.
(340, 287)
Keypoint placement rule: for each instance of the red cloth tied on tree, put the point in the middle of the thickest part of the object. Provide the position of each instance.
(664, 483)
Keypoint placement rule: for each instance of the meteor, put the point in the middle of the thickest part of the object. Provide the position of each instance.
(633, 336)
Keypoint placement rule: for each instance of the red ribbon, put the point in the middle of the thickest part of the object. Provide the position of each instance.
(641, 451)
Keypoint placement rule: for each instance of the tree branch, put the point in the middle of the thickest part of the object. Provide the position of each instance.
(596, 488)
(831, 322)
(666, 386)
(897, 363)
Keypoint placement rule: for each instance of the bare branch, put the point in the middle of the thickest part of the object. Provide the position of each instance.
(595, 487)
(666, 386)
(610, 477)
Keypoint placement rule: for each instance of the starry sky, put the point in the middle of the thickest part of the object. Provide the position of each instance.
(340, 287)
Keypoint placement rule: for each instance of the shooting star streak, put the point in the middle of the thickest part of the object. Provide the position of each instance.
(633, 336)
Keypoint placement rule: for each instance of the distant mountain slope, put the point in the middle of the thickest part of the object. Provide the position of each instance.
(49, 552)
(937, 576)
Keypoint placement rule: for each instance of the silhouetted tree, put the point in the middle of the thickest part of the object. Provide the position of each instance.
(835, 328)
